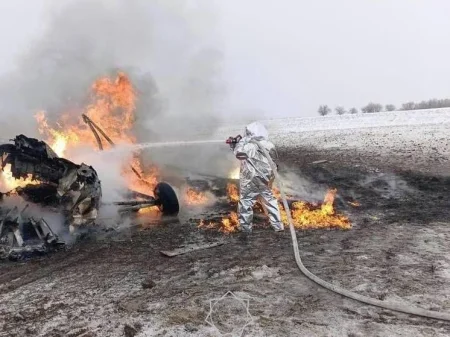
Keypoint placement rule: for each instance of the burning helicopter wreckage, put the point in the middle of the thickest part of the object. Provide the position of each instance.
(75, 191)
(39, 173)
(55, 182)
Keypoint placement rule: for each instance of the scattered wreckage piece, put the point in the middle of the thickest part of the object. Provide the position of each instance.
(20, 238)
(318, 162)
(191, 248)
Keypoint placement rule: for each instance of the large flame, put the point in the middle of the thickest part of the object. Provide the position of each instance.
(112, 108)
(113, 105)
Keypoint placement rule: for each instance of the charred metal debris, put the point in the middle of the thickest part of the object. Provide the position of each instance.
(23, 237)
(61, 186)
(55, 183)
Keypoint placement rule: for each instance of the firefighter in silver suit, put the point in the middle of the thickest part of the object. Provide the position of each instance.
(256, 177)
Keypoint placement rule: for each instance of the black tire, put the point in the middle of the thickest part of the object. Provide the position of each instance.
(166, 199)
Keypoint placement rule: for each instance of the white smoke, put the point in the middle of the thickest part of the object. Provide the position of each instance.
(172, 52)
(301, 188)
(109, 166)
(170, 49)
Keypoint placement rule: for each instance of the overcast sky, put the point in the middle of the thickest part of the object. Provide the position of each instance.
(287, 57)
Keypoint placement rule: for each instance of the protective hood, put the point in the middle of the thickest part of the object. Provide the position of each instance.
(256, 131)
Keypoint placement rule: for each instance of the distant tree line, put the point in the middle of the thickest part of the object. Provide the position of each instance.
(376, 107)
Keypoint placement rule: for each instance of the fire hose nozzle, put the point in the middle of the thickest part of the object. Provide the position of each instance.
(233, 140)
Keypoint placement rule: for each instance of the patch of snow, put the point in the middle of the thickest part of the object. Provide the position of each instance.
(264, 271)
(356, 121)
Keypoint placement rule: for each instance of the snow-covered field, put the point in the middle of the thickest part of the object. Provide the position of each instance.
(349, 121)
(419, 137)
(398, 250)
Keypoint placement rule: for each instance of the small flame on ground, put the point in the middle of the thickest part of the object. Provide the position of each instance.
(195, 198)
(227, 225)
(205, 225)
(232, 192)
(230, 225)
(354, 203)
(305, 215)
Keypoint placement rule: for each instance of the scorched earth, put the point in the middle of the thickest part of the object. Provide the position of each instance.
(391, 192)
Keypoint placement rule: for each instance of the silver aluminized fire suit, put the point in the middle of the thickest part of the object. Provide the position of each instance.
(256, 177)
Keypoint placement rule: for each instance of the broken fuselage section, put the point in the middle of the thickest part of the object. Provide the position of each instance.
(55, 182)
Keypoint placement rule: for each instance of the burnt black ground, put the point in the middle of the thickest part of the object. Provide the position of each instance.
(397, 250)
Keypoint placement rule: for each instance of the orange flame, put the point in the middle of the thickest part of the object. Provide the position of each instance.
(112, 108)
(307, 216)
(8, 182)
(195, 198)
(204, 225)
(148, 180)
(58, 140)
(232, 192)
(304, 215)
(227, 225)
(330, 196)
(153, 212)
(230, 225)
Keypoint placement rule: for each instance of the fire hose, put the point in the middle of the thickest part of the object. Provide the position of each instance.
(407, 309)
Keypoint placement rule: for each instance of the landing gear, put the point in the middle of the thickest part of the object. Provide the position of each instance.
(166, 199)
